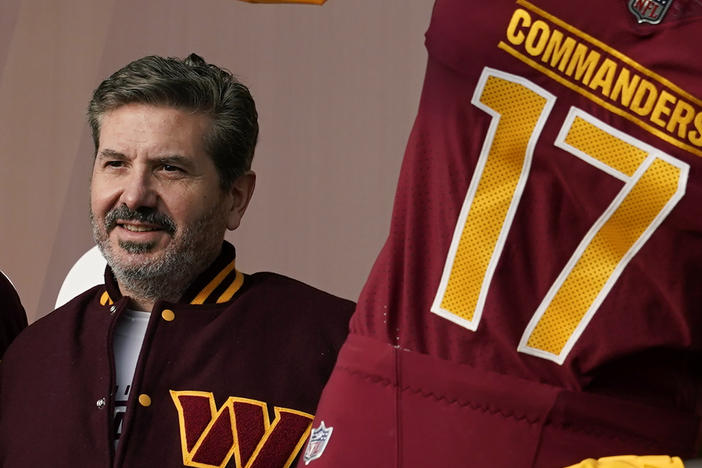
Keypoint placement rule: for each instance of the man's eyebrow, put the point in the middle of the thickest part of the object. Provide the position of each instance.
(166, 159)
(174, 159)
(109, 153)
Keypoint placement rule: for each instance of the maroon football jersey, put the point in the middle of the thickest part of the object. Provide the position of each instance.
(538, 299)
(548, 218)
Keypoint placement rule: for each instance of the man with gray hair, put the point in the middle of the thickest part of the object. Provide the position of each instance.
(179, 357)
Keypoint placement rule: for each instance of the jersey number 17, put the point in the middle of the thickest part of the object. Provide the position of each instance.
(654, 182)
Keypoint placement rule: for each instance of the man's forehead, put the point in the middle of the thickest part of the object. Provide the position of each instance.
(148, 123)
(132, 108)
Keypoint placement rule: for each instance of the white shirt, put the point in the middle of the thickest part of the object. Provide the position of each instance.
(128, 337)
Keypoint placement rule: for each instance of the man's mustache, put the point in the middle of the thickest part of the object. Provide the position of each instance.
(144, 215)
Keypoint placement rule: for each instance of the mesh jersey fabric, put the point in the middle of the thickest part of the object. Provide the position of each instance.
(638, 303)
(545, 236)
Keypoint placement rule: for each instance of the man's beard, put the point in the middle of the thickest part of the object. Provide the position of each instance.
(167, 275)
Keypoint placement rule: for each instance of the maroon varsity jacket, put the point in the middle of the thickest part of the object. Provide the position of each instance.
(228, 376)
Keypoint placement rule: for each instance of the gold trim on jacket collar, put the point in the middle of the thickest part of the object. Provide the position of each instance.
(216, 281)
(205, 293)
(105, 299)
(232, 289)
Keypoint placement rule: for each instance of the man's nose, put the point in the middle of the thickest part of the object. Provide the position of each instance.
(139, 190)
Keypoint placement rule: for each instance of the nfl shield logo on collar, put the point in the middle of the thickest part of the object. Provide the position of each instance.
(649, 11)
(319, 438)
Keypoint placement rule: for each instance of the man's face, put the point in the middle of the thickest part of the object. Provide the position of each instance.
(157, 208)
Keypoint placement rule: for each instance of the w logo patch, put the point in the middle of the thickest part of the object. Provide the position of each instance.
(241, 428)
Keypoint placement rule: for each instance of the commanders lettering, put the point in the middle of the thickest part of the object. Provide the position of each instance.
(240, 428)
(598, 72)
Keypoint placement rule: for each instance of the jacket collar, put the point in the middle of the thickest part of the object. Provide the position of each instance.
(218, 283)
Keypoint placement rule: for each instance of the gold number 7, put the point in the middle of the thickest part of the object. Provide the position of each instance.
(653, 184)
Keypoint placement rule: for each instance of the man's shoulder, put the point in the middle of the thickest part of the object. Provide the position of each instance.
(77, 305)
(53, 327)
(297, 304)
(286, 307)
(280, 287)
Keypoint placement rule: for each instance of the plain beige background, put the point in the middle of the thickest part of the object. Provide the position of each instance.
(337, 87)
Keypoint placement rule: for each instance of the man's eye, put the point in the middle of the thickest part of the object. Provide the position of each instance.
(114, 164)
(169, 168)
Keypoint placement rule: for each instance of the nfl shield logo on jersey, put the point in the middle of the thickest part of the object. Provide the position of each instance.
(319, 438)
(649, 11)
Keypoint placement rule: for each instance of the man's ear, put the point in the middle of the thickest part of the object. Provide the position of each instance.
(241, 192)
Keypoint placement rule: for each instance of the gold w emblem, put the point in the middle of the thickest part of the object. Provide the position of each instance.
(240, 427)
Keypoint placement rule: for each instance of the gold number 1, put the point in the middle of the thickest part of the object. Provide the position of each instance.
(653, 183)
